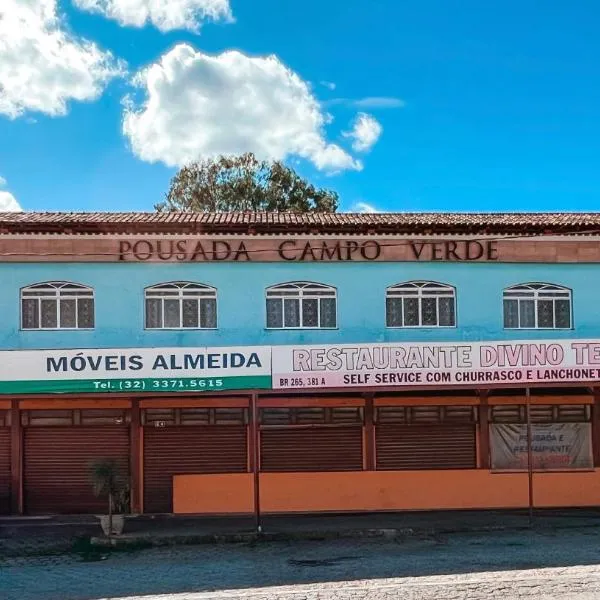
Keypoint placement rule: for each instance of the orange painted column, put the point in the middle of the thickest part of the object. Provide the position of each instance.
(135, 449)
(484, 431)
(255, 444)
(596, 427)
(369, 438)
(16, 459)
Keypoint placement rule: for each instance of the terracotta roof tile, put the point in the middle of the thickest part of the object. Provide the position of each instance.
(350, 223)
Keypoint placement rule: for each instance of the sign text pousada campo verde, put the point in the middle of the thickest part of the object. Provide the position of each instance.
(302, 250)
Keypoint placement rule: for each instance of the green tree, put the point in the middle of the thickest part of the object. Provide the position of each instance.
(243, 183)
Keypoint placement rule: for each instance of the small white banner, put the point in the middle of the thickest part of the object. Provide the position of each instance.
(554, 446)
(135, 369)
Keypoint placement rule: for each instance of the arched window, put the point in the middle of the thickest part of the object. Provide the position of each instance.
(57, 305)
(301, 305)
(420, 304)
(181, 305)
(537, 306)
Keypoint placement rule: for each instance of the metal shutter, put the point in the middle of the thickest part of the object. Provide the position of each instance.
(432, 446)
(311, 449)
(4, 470)
(189, 449)
(57, 462)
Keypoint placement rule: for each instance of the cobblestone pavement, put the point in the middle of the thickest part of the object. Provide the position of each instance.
(543, 565)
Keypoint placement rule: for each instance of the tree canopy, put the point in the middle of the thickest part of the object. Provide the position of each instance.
(244, 183)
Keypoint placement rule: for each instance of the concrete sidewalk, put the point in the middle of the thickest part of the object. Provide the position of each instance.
(21, 535)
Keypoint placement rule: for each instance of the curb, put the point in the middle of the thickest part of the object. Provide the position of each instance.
(144, 540)
(140, 541)
(246, 537)
(154, 541)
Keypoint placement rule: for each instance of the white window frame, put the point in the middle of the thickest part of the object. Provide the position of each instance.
(57, 291)
(301, 290)
(180, 291)
(538, 291)
(424, 290)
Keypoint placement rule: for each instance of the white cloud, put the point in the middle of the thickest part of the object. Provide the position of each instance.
(365, 132)
(364, 207)
(42, 66)
(166, 15)
(328, 84)
(8, 203)
(199, 106)
(373, 102)
(379, 102)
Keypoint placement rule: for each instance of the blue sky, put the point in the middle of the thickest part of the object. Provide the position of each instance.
(486, 105)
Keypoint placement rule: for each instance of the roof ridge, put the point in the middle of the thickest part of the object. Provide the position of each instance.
(415, 222)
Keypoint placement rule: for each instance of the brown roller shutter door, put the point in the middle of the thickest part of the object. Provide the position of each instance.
(57, 462)
(425, 447)
(4, 470)
(180, 450)
(311, 449)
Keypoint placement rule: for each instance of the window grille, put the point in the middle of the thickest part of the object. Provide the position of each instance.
(541, 413)
(537, 306)
(170, 417)
(311, 416)
(181, 305)
(57, 305)
(421, 304)
(425, 414)
(301, 305)
(74, 418)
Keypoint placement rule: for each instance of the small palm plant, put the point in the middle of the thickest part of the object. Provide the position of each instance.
(107, 482)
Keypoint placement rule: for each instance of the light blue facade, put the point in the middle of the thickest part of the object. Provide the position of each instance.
(119, 301)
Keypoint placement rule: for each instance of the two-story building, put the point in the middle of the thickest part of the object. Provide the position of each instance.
(300, 362)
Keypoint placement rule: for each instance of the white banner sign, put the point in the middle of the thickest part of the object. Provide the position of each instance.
(553, 446)
(135, 369)
(423, 364)
(300, 367)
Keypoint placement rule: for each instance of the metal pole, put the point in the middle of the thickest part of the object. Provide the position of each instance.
(529, 456)
(256, 465)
